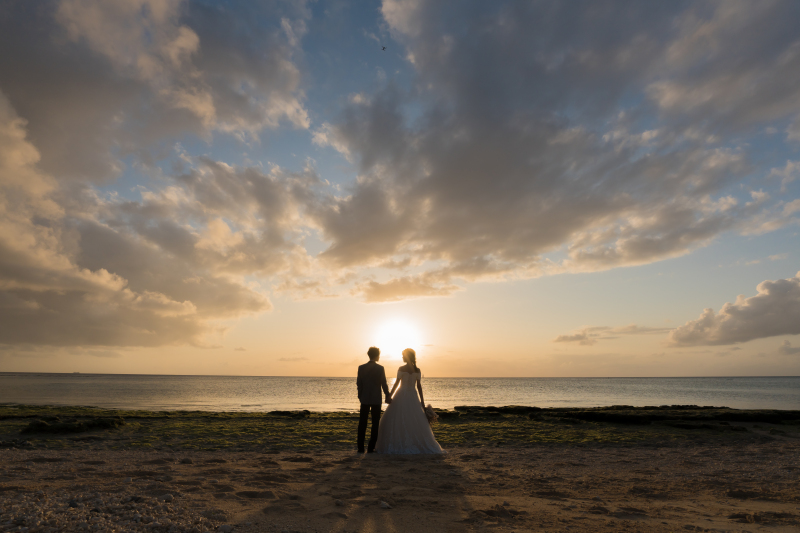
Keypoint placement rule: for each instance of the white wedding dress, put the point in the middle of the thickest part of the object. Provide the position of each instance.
(404, 428)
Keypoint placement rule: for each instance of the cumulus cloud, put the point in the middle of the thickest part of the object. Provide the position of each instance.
(528, 142)
(773, 311)
(78, 269)
(591, 335)
(89, 84)
(100, 81)
(46, 296)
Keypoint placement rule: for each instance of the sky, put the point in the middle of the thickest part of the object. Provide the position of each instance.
(585, 188)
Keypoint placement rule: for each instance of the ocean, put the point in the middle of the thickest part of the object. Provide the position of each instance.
(245, 393)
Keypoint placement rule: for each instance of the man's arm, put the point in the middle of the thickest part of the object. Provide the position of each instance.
(359, 383)
(384, 385)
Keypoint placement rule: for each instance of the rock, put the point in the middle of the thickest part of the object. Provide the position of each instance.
(597, 499)
(73, 504)
(127, 480)
(339, 503)
(186, 461)
(167, 498)
(225, 528)
(499, 511)
(506, 504)
(745, 518)
(292, 414)
(743, 494)
(385, 505)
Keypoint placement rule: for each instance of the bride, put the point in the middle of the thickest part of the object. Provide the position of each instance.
(404, 427)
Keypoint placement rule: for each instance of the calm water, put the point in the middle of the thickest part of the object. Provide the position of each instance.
(238, 393)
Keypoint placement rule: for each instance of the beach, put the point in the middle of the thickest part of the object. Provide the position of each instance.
(507, 469)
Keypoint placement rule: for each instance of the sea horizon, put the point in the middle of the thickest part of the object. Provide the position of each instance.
(164, 392)
(389, 378)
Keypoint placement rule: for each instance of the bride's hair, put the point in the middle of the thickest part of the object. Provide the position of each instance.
(411, 356)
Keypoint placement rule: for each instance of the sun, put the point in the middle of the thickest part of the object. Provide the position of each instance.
(395, 336)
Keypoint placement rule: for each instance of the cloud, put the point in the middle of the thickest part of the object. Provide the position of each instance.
(93, 84)
(403, 288)
(491, 175)
(240, 349)
(96, 353)
(98, 82)
(591, 335)
(773, 311)
(583, 339)
(787, 349)
(788, 174)
(531, 140)
(725, 353)
(80, 269)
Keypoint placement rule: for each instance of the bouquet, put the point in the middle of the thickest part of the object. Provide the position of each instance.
(431, 414)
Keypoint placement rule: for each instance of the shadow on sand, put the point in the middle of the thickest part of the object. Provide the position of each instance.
(369, 493)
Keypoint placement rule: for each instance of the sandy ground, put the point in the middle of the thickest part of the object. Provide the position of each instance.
(694, 487)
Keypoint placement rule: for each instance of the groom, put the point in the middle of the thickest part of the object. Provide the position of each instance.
(371, 379)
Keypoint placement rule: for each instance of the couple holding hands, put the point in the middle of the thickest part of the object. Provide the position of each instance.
(404, 428)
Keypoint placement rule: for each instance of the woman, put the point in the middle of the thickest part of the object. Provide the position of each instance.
(404, 427)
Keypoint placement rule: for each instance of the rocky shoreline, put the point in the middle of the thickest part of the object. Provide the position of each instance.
(47, 427)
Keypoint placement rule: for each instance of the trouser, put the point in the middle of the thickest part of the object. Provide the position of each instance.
(362, 426)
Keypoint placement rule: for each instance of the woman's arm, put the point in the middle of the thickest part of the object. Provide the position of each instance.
(396, 383)
(421, 397)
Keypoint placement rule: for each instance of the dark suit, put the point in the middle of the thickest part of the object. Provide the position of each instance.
(371, 379)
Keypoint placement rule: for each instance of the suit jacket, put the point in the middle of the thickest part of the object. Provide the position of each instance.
(371, 379)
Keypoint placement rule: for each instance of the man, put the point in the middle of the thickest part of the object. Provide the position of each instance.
(371, 379)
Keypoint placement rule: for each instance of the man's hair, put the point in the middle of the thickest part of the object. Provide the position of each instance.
(373, 352)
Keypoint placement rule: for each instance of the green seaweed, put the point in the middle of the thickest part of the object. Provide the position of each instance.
(471, 427)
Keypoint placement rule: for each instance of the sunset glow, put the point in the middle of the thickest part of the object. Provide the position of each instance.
(395, 336)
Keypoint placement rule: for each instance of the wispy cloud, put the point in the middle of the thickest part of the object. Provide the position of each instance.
(591, 335)
(787, 349)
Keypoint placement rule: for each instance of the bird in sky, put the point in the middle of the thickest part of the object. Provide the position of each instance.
(383, 48)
